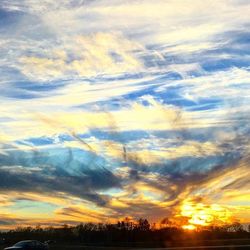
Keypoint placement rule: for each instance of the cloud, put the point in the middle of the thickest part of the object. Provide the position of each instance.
(84, 56)
(121, 108)
(85, 214)
(47, 180)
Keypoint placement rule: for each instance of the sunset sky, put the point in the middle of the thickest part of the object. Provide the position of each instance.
(115, 108)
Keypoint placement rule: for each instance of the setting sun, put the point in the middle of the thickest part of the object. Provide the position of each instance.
(189, 227)
(204, 215)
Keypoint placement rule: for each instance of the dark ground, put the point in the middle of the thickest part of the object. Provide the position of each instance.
(233, 244)
(221, 247)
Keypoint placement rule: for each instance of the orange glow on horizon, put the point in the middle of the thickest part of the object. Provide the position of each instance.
(189, 227)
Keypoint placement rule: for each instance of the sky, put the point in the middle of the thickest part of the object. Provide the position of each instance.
(114, 109)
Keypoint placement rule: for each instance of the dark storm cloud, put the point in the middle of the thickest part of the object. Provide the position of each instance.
(40, 181)
(10, 221)
(35, 172)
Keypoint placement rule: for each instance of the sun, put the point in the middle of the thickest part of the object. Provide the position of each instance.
(202, 215)
(189, 227)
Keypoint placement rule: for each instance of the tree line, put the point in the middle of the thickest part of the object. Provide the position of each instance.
(126, 233)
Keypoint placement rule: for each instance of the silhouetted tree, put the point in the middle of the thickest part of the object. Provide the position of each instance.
(143, 224)
(126, 232)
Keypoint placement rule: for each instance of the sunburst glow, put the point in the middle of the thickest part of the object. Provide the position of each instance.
(205, 215)
(189, 227)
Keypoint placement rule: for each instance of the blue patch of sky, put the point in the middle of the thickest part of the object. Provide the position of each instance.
(211, 59)
(34, 207)
(18, 94)
(8, 73)
(43, 141)
(171, 96)
(37, 86)
(124, 76)
(238, 36)
(9, 20)
(40, 141)
(24, 88)
(206, 104)
(123, 137)
(212, 65)
(119, 136)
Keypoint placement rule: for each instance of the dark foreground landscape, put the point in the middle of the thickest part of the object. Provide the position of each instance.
(132, 235)
(241, 244)
(231, 247)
